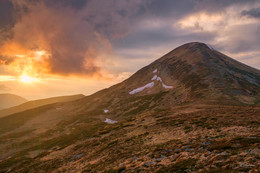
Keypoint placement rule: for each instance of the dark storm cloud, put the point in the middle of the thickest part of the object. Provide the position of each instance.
(219, 5)
(255, 12)
(170, 12)
(177, 9)
(168, 8)
(157, 37)
(75, 4)
(6, 14)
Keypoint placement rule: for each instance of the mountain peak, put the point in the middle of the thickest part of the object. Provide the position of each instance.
(195, 71)
(198, 45)
(193, 52)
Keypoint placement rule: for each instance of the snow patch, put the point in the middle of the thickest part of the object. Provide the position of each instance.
(166, 86)
(154, 77)
(109, 121)
(159, 79)
(106, 111)
(137, 90)
(149, 85)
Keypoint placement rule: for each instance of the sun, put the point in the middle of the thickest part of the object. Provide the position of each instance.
(27, 79)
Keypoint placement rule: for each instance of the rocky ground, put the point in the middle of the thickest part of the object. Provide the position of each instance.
(182, 139)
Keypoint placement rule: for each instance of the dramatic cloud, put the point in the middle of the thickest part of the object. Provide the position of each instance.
(80, 37)
(167, 24)
(255, 12)
(6, 14)
(72, 40)
(111, 39)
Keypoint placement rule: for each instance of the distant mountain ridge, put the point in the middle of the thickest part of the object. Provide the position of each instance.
(37, 103)
(9, 100)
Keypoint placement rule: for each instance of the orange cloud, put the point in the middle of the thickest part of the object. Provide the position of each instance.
(61, 40)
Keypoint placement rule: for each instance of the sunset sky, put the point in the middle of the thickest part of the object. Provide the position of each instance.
(62, 47)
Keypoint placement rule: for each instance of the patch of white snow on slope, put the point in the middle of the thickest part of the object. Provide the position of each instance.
(137, 90)
(109, 121)
(155, 71)
(159, 79)
(106, 111)
(154, 77)
(166, 86)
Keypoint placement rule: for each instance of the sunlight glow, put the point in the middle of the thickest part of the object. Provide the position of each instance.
(27, 79)
(4, 78)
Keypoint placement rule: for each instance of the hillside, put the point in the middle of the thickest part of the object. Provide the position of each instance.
(10, 100)
(194, 72)
(37, 103)
(192, 110)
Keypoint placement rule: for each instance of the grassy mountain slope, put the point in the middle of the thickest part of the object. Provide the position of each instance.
(207, 122)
